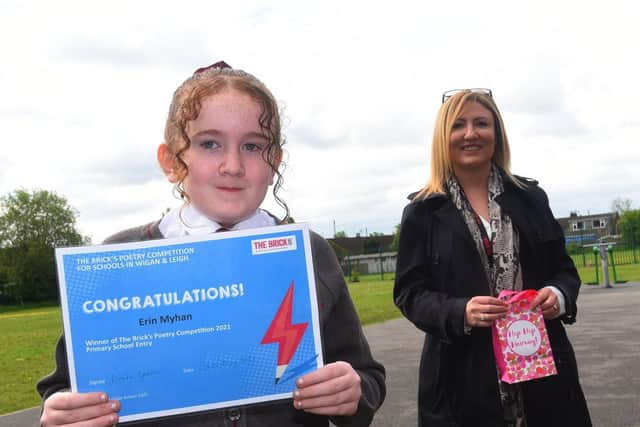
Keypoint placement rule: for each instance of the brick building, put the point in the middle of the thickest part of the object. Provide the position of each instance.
(588, 228)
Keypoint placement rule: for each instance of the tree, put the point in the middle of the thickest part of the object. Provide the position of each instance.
(340, 234)
(621, 205)
(371, 246)
(32, 224)
(629, 226)
(339, 250)
(373, 243)
(396, 239)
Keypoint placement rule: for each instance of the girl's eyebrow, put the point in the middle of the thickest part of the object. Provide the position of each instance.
(256, 135)
(215, 132)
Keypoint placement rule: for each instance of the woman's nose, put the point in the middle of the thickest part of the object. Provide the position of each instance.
(470, 131)
(231, 163)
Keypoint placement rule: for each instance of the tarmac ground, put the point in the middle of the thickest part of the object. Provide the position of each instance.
(606, 339)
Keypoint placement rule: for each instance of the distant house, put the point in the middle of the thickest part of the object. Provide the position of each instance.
(582, 229)
(384, 262)
(360, 245)
(369, 254)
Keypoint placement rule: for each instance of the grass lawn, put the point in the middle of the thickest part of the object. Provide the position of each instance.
(625, 272)
(29, 337)
(30, 333)
(621, 256)
(373, 298)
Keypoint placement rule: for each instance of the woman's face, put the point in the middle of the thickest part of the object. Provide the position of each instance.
(473, 138)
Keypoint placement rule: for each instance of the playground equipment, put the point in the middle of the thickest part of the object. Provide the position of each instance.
(604, 250)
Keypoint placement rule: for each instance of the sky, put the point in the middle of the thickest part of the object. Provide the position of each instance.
(85, 89)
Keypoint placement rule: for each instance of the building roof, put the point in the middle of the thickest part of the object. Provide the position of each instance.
(356, 245)
(575, 216)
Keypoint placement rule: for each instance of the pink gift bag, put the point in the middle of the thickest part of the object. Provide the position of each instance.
(520, 340)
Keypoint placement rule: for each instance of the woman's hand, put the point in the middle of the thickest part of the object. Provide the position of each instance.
(79, 409)
(548, 302)
(333, 389)
(482, 311)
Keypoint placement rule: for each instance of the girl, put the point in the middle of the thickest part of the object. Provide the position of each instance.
(222, 151)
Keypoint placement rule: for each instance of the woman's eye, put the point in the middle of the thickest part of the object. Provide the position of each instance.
(457, 125)
(482, 124)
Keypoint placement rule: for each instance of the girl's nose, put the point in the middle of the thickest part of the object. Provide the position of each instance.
(231, 163)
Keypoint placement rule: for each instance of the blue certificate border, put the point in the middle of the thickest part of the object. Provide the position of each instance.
(174, 326)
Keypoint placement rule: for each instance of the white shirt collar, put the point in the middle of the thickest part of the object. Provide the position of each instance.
(186, 220)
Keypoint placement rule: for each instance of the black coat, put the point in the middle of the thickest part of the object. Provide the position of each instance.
(343, 339)
(439, 270)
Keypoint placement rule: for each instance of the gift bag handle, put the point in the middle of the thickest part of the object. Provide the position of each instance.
(514, 296)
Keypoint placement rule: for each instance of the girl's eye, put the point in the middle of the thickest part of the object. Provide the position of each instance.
(457, 125)
(482, 124)
(251, 147)
(209, 144)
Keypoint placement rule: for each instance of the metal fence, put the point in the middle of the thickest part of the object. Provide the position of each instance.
(621, 254)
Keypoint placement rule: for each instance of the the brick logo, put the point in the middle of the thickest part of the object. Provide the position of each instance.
(273, 244)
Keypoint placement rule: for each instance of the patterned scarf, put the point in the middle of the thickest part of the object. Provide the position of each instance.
(503, 269)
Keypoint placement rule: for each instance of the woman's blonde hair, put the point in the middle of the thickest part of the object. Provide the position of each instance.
(441, 165)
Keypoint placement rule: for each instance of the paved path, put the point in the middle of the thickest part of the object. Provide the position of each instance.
(606, 339)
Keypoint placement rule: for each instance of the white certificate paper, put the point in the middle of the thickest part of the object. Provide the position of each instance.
(191, 324)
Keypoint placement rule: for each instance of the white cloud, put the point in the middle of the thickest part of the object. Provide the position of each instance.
(86, 88)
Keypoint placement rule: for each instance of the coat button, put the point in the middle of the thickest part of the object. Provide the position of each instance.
(233, 414)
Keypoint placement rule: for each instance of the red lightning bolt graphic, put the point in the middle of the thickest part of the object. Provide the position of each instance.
(281, 331)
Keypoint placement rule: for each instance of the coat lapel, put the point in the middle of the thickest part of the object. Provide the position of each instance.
(511, 205)
(511, 202)
(447, 214)
(448, 217)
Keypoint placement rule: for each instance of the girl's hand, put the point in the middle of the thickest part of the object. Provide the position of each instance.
(79, 409)
(333, 389)
(482, 311)
(548, 302)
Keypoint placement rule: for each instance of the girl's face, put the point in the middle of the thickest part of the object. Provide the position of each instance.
(473, 138)
(227, 177)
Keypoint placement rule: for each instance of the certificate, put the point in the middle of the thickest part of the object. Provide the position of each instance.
(191, 324)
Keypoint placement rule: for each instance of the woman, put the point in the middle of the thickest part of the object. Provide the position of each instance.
(472, 231)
